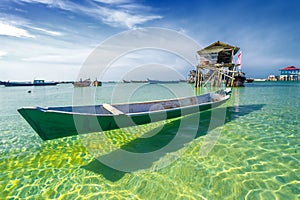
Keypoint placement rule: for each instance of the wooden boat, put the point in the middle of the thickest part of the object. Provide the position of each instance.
(249, 80)
(161, 82)
(83, 83)
(34, 83)
(57, 122)
(138, 81)
(239, 80)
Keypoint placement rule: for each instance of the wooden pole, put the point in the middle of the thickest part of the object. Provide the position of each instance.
(200, 79)
(219, 78)
(196, 78)
(233, 74)
(209, 78)
(234, 68)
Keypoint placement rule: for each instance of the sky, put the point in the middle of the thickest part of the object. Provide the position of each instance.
(53, 39)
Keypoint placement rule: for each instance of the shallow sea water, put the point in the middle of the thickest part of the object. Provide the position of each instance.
(253, 153)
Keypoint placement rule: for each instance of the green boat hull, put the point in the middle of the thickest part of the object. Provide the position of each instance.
(55, 124)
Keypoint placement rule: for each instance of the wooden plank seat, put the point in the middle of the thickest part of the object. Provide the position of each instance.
(112, 109)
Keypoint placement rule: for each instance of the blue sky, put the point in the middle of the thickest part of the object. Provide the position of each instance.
(51, 39)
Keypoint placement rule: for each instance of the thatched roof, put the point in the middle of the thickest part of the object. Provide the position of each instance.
(218, 47)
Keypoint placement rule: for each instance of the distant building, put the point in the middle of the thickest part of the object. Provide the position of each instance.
(290, 73)
(272, 78)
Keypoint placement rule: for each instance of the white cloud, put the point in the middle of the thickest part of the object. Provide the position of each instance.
(28, 60)
(113, 1)
(65, 56)
(117, 18)
(38, 1)
(140, 47)
(182, 31)
(2, 54)
(120, 13)
(54, 33)
(16, 26)
(11, 30)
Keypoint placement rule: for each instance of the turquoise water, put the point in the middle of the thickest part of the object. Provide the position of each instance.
(255, 155)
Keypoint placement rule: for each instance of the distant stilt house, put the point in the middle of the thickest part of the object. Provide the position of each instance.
(218, 59)
(290, 73)
(192, 76)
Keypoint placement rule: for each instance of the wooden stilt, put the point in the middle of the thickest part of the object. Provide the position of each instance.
(233, 74)
(198, 78)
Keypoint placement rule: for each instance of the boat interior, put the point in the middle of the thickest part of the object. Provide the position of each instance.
(117, 109)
